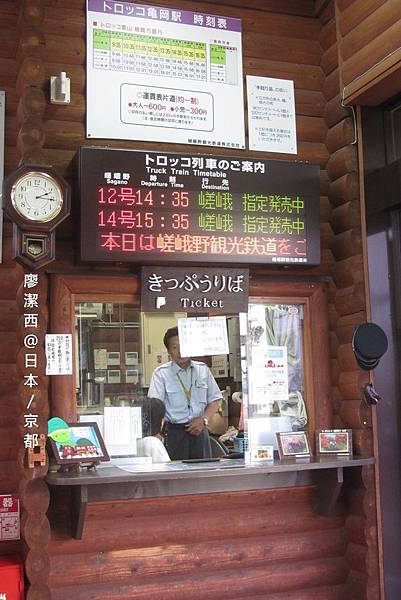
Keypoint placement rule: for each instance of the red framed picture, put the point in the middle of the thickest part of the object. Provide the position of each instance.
(334, 442)
(293, 444)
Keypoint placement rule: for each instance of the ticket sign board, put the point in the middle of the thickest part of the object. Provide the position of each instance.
(158, 207)
(195, 290)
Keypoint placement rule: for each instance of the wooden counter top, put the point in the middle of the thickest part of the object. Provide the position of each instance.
(110, 483)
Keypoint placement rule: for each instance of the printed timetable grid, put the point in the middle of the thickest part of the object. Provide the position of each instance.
(149, 55)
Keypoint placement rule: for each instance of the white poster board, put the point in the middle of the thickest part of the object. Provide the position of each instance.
(203, 336)
(163, 74)
(271, 115)
(58, 348)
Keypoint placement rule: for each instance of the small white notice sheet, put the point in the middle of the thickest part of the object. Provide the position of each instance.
(58, 348)
(122, 427)
(203, 336)
(9, 518)
(271, 115)
(269, 375)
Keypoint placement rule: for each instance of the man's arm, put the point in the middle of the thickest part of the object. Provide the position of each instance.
(157, 388)
(213, 398)
(197, 425)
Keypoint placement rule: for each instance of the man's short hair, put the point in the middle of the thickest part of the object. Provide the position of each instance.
(170, 333)
(157, 410)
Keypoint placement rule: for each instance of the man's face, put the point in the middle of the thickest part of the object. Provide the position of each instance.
(174, 351)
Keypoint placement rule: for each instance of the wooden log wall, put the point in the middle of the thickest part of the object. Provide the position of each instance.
(235, 545)
(247, 542)
(22, 77)
(347, 311)
(11, 276)
(369, 49)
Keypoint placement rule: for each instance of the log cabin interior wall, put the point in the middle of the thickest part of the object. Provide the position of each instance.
(369, 49)
(10, 277)
(240, 545)
(348, 309)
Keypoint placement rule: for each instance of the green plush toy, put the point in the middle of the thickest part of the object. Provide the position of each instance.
(58, 430)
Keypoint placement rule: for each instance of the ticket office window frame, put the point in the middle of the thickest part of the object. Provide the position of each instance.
(315, 343)
(67, 290)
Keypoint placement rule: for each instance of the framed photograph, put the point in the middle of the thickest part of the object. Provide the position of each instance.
(293, 444)
(78, 443)
(334, 441)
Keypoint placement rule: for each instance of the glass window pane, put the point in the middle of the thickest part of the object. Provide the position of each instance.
(276, 390)
(117, 349)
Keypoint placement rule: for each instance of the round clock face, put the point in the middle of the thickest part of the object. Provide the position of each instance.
(37, 197)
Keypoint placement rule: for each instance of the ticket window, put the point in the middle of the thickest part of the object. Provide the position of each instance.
(104, 313)
(261, 378)
(117, 348)
(108, 358)
(267, 380)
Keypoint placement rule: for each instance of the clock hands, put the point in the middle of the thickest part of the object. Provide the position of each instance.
(42, 195)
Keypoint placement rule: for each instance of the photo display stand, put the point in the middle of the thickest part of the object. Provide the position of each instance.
(79, 445)
(334, 442)
(293, 445)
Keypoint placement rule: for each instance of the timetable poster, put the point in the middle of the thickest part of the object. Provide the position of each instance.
(165, 75)
(151, 207)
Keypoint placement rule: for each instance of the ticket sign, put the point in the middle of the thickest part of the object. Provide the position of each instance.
(157, 207)
(197, 290)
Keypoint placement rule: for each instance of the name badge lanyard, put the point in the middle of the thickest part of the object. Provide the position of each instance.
(187, 391)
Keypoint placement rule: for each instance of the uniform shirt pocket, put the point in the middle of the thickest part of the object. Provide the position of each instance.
(201, 392)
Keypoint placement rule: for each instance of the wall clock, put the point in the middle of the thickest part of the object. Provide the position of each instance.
(36, 199)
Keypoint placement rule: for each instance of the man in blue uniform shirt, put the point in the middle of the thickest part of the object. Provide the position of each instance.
(191, 396)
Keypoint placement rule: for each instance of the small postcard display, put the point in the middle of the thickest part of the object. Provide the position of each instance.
(336, 442)
(262, 453)
(76, 443)
(293, 444)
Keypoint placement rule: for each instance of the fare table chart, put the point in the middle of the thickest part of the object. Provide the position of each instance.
(110, 483)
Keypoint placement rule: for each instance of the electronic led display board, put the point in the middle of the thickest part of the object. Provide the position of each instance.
(150, 207)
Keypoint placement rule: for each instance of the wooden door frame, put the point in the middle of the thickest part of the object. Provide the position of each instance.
(65, 291)
(316, 342)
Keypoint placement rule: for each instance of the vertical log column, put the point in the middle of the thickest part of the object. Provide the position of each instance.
(348, 310)
(33, 400)
(34, 494)
(30, 81)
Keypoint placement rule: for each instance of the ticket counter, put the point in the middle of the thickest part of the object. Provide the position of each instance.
(97, 512)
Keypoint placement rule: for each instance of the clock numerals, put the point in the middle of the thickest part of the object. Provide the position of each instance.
(37, 197)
